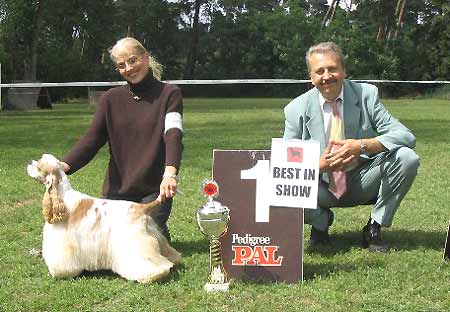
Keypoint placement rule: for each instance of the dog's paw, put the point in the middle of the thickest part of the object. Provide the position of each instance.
(34, 252)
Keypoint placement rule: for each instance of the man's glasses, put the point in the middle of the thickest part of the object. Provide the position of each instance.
(131, 62)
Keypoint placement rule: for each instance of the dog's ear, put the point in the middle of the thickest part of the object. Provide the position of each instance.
(50, 180)
(53, 207)
(65, 166)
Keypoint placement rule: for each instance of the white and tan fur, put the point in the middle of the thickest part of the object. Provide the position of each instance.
(86, 233)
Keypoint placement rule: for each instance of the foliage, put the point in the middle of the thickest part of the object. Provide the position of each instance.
(412, 277)
(437, 19)
(69, 40)
(290, 32)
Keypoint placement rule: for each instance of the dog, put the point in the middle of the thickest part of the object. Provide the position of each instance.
(86, 233)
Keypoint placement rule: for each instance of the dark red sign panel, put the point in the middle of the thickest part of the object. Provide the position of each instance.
(256, 250)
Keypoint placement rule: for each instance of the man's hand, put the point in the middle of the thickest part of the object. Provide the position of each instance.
(339, 154)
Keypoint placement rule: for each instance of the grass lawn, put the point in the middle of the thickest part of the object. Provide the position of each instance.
(411, 277)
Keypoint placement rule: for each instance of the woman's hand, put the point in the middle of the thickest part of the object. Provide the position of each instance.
(169, 183)
(168, 188)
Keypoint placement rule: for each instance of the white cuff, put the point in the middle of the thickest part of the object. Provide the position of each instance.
(173, 120)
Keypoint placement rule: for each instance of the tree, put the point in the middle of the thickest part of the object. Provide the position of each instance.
(192, 52)
(432, 39)
(22, 20)
(156, 25)
(290, 31)
(53, 40)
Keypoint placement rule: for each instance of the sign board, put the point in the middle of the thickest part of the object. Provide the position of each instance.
(294, 173)
(263, 242)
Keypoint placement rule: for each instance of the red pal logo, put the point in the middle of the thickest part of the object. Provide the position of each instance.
(256, 256)
(295, 154)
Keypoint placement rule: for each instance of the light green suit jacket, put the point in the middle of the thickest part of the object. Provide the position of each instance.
(364, 117)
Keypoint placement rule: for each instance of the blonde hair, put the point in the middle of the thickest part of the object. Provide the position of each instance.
(134, 46)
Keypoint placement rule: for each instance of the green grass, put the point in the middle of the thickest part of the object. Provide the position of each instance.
(411, 277)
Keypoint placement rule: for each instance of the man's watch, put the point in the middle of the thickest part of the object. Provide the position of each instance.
(363, 147)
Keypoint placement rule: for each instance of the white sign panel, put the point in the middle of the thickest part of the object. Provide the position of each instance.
(294, 173)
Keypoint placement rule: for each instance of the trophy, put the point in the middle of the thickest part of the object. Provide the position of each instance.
(212, 219)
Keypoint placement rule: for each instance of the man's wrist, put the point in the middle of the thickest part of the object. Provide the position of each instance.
(363, 147)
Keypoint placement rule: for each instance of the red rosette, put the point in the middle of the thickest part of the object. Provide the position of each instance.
(210, 188)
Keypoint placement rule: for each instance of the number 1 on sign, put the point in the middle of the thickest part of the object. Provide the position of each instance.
(261, 173)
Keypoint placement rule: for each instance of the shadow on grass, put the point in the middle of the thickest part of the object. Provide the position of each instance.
(401, 240)
(407, 240)
(316, 271)
(110, 275)
(100, 274)
(189, 248)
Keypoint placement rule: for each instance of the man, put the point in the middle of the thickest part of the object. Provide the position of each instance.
(366, 155)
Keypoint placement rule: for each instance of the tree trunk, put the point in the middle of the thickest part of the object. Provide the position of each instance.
(330, 13)
(400, 18)
(381, 32)
(192, 56)
(30, 70)
(129, 32)
(334, 10)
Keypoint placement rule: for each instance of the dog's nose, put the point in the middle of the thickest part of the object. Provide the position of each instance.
(29, 166)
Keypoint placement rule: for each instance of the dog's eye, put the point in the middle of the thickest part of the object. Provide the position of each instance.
(41, 167)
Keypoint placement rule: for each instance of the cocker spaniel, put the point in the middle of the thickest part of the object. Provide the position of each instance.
(86, 233)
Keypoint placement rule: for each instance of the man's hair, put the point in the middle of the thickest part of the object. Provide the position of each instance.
(137, 48)
(322, 48)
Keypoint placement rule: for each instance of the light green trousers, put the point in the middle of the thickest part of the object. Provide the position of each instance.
(383, 181)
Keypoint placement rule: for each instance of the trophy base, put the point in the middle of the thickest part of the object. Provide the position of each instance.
(216, 287)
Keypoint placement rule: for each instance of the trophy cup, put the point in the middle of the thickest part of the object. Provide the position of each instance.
(212, 219)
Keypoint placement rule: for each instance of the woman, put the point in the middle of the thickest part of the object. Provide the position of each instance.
(142, 123)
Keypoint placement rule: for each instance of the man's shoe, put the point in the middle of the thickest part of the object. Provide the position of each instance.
(319, 237)
(372, 239)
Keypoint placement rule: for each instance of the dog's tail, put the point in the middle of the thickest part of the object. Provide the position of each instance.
(147, 208)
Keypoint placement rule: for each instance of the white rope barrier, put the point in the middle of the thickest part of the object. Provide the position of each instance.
(199, 82)
(405, 81)
(61, 84)
(192, 82)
